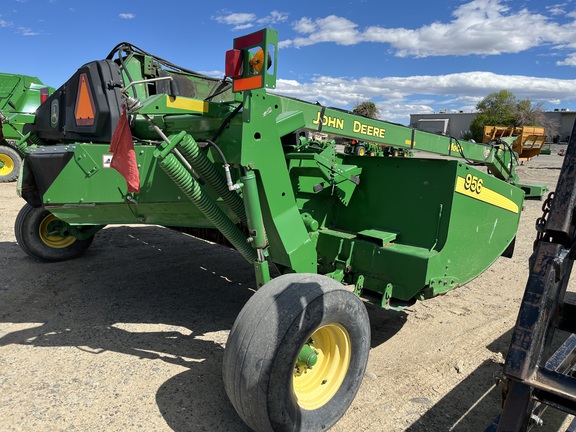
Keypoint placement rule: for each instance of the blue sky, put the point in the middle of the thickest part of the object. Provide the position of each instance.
(411, 56)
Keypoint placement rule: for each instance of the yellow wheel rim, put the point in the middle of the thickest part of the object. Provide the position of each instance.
(362, 152)
(54, 241)
(314, 387)
(7, 164)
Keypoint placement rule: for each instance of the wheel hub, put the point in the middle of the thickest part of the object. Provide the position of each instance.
(54, 233)
(6, 164)
(307, 358)
(321, 366)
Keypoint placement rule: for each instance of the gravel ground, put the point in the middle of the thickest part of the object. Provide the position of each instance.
(130, 336)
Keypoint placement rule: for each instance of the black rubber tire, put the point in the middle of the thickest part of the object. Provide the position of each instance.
(27, 232)
(13, 161)
(262, 348)
(360, 150)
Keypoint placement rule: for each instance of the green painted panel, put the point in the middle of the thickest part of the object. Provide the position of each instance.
(88, 191)
(403, 195)
(429, 226)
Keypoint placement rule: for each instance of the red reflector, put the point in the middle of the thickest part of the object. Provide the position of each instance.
(250, 40)
(234, 63)
(43, 94)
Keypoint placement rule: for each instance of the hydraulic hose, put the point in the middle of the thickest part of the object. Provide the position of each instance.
(193, 191)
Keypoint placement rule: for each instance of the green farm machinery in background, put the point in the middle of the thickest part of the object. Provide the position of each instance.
(232, 156)
(365, 148)
(20, 95)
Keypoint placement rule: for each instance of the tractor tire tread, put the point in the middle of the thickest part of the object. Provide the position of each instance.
(26, 231)
(17, 160)
(263, 343)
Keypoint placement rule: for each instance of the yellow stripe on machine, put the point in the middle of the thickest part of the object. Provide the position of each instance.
(187, 104)
(486, 195)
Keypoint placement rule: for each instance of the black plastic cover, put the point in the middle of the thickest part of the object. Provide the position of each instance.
(56, 118)
(43, 170)
(46, 167)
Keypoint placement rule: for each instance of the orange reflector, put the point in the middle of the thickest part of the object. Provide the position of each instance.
(84, 111)
(257, 61)
(249, 83)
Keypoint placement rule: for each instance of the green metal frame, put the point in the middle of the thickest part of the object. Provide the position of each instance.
(397, 229)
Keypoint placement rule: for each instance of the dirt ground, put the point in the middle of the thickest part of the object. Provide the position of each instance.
(130, 336)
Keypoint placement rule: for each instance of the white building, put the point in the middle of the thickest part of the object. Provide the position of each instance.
(456, 124)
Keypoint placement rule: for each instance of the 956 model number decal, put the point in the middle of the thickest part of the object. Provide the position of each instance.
(473, 187)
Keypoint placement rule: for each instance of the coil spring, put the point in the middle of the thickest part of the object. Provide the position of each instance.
(191, 151)
(192, 190)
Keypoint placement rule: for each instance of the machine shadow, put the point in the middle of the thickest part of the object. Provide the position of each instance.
(151, 293)
(464, 408)
(384, 323)
(147, 292)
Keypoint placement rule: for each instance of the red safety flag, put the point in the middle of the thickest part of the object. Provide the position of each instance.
(124, 158)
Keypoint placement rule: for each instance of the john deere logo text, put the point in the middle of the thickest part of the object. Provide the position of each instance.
(333, 122)
(357, 126)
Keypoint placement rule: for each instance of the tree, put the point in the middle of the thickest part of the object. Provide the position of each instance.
(497, 109)
(366, 109)
(500, 105)
(529, 114)
(502, 108)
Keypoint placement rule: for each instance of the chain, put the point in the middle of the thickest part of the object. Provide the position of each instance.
(541, 221)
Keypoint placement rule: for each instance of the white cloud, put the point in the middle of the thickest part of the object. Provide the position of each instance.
(242, 21)
(461, 90)
(4, 23)
(568, 61)
(127, 16)
(243, 26)
(481, 27)
(212, 73)
(304, 25)
(26, 31)
(558, 9)
(274, 17)
(235, 18)
(399, 110)
(330, 29)
(239, 21)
